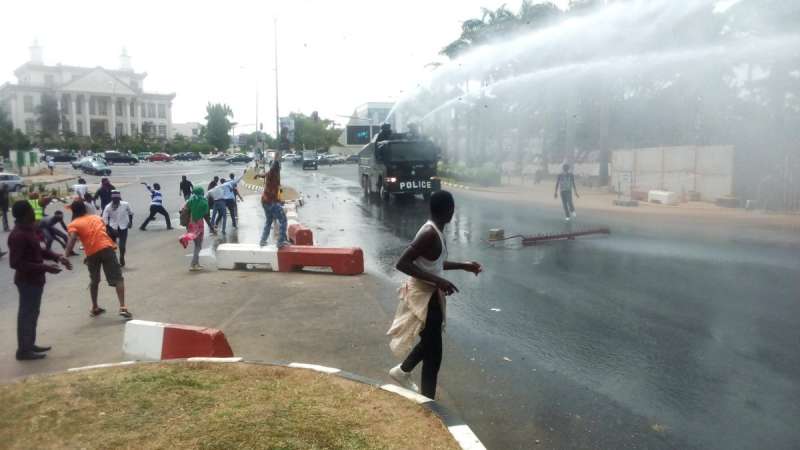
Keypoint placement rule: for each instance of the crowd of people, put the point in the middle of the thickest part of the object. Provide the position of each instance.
(99, 228)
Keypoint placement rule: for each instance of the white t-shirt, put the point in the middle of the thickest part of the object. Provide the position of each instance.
(118, 218)
(81, 190)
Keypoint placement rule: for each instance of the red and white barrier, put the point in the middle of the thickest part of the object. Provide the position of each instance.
(342, 261)
(146, 340)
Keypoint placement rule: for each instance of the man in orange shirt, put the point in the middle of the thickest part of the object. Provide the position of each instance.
(99, 250)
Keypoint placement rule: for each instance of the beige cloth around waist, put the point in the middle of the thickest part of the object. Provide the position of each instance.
(412, 310)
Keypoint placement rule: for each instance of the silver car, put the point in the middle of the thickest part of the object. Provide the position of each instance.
(11, 180)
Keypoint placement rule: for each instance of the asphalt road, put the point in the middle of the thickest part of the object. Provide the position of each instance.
(665, 334)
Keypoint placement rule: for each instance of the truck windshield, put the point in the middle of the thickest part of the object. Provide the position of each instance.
(411, 151)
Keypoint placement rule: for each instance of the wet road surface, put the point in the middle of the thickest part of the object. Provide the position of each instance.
(657, 336)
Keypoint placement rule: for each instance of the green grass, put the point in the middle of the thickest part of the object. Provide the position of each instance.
(210, 406)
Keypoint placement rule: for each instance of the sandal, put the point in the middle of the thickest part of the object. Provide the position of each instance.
(125, 313)
(96, 312)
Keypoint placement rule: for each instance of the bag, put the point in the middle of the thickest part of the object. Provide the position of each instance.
(185, 216)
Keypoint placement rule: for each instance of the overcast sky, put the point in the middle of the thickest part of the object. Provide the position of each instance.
(333, 55)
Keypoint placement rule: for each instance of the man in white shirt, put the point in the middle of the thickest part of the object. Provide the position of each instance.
(118, 217)
(81, 188)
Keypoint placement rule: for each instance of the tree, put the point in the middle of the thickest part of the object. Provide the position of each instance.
(48, 115)
(314, 134)
(6, 133)
(218, 125)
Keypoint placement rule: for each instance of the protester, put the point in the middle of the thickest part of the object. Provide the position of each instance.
(213, 183)
(91, 206)
(211, 186)
(27, 259)
(186, 187)
(81, 189)
(422, 298)
(216, 197)
(156, 206)
(104, 193)
(4, 199)
(118, 218)
(50, 164)
(230, 203)
(273, 204)
(36, 204)
(99, 250)
(565, 183)
(52, 234)
(197, 207)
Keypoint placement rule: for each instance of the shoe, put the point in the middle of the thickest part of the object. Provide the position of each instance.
(169, 228)
(142, 229)
(566, 219)
(122, 263)
(195, 268)
(262, 244)
(30, 356)
(403, 378)
(38, 349)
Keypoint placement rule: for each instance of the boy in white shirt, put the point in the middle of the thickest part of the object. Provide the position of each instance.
(118, 217)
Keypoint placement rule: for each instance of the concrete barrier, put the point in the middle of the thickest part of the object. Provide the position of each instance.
(229, 256)
(663, 197)
(343, 261)
(146, 340)
(300, 235)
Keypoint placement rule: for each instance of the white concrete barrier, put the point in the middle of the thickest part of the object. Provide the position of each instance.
(229, 255)
(143, 339)
(663, 197)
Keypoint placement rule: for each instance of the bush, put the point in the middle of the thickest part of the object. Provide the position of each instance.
(485, 175)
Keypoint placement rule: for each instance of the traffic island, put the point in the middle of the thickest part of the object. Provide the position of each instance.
(212, 405)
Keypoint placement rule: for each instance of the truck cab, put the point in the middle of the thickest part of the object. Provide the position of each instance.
(400, 165)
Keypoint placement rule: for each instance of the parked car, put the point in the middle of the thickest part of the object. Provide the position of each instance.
(352, 159)
(144, 155)
(12, 180)
(310, 159)
(290, 157)
(58, 155)
(96, 166)
(240, 158)
(218, 157)
(115, 157)
(159, 157)
(188, 156)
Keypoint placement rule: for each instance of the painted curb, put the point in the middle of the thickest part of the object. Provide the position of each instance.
(460, 431)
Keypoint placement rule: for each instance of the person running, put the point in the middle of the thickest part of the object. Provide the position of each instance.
(118, 218)
(27, 259)
(99, 250)
(228, 199)
(156, 206)
(213, 183)
(81, 189)
(233, 208)
(198, 212)
(4, 199)
(216, 197)
(422, 298)
(211, 186)
(186, 188)
(51, 164)
(273, 206)
(91, 206)
(565, 183)
(104, 193)
(52, 234)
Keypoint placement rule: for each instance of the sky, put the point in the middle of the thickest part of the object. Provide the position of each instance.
(332, 55)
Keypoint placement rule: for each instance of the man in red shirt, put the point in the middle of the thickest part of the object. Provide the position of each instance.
(27, 259)
(99, 250)
(272, 204)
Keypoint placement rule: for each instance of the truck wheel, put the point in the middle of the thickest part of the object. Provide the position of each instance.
(384, 193)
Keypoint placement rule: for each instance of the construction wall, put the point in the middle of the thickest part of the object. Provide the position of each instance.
(706, 170)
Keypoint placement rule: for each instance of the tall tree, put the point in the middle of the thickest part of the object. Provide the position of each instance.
(218, 125)
(314, 132)
(48, 115)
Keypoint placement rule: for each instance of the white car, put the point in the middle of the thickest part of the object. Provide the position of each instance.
(12, 181)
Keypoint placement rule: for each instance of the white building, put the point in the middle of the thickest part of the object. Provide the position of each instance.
(92, 101)
(189, 130)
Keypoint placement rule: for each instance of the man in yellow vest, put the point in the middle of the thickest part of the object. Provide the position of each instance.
(36, 204)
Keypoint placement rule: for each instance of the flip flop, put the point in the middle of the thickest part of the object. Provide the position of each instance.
(96, 312)
(125, 313)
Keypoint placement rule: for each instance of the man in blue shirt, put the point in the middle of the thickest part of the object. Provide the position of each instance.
(156, 206)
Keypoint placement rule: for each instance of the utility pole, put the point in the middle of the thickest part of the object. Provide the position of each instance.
(277, 110)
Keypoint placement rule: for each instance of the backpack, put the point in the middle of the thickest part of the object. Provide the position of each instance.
(186, 216)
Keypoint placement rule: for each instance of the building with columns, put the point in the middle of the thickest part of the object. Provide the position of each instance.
(91, 101)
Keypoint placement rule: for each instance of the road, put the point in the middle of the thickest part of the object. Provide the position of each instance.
(665, 334)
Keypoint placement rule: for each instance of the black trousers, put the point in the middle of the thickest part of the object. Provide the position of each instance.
(231, 205)
(429, 349)
(4, 213)
(120, 237)
(30, 299)
(156, 209)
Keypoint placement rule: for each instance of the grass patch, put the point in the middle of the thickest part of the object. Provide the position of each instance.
(210, 406)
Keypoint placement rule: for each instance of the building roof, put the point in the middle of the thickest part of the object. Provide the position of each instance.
(63, 67)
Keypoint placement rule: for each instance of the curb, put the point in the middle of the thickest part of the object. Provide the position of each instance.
(460, 431)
